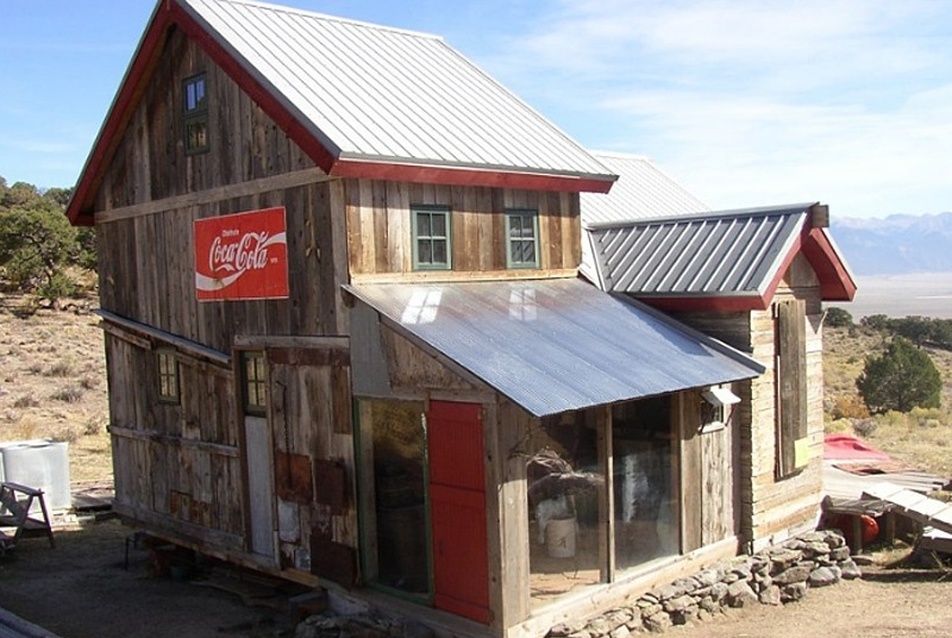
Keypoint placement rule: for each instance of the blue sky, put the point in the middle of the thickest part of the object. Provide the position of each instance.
(745, 103)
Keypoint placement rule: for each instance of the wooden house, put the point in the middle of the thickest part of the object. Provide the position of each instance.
(347, 344)
(756, 279)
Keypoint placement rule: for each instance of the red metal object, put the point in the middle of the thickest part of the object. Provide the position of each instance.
(458, 509)
(242, 256)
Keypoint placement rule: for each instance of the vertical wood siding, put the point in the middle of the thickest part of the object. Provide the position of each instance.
(174, 464)
(772, 507)
(379, 230)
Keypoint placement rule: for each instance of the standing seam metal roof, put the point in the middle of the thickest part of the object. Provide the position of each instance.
(383, 94)
(642, 191)
(727, 253)
(557, 345)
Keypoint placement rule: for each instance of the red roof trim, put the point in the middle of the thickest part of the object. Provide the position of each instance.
(780, 272)
(738, 303)
(459, 176)
(149, 52)
(147, 56)
(836, 283)
(262, 96)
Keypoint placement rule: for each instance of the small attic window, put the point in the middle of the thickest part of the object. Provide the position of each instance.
(715, 411)
(196, 114)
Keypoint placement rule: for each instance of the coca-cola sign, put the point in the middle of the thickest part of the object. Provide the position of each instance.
(242, 256)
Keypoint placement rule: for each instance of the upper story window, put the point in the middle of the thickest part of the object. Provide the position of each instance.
(168, 376)
(431, 238)
(522, 239)
(255, 380)
(195, 107)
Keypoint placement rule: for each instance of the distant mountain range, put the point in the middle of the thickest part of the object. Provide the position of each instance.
(897, 244)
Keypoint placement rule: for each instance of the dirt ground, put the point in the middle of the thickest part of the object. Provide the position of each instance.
(53, 385)
(82, 589)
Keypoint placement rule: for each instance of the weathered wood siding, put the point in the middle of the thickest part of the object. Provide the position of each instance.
(772, 507)
(312, 430)
(153, 192)
(147, 272)
(379, 232)
(176, 466)
(150, 162)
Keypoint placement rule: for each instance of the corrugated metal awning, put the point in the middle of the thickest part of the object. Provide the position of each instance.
(559, 344)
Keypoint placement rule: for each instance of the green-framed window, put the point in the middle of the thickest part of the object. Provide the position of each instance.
(168, 373)
(522, 238)
(255, 377)
(195, 108)
(432, 247)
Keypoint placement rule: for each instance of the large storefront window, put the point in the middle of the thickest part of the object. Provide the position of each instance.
(398, 445)
(568, 495)
(564, 487)
(644, 482)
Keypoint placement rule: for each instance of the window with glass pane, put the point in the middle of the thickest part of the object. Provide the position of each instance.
(168, 377)
(254, 370)
(523, 239)
(564, 483)
(196, 114)
(431, 238)
(645, 482)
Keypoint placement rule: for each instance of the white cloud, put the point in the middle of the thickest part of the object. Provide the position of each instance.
(759, 103)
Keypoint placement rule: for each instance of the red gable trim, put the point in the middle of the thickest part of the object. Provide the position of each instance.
(459, 176)
(147, 56)
(836, 283)
(291, 125)
(737, 303)
(133, 86)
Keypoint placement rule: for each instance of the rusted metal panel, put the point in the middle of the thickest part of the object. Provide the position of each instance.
(331, 480)
(293, 477)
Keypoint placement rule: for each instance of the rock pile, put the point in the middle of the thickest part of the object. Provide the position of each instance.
(774, 576)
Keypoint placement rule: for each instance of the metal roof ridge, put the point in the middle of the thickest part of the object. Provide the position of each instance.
(325, 16)
(701, 216)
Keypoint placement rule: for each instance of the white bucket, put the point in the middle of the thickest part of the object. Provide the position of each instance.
(560, 537)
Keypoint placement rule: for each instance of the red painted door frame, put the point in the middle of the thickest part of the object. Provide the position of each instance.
(458, 509)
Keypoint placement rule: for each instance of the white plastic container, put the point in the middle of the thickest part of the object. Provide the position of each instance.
(42, 464)
(560, 537)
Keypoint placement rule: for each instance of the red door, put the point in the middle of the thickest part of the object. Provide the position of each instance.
(458, 509)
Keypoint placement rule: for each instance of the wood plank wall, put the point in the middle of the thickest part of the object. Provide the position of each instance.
(312, 430)
(150, 162)
(147, 253)
(773, 508)
(379, 233)
(175, 465)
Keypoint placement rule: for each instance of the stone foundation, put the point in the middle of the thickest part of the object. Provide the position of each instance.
(773, 576)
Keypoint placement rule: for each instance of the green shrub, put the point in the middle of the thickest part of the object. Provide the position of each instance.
(902, 378)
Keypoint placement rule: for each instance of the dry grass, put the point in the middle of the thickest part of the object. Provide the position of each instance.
(921, 439)
(53, 382)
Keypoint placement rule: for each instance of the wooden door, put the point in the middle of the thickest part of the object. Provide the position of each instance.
(458, 509)
(259, 458)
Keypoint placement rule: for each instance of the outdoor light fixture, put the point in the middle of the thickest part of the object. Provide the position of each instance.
(714, 408)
